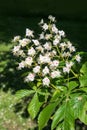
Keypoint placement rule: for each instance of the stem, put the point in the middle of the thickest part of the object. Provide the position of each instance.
(27, 47)
(59, 52)
(54, 87)
(76, 76)
(68, 90)
(70, 78)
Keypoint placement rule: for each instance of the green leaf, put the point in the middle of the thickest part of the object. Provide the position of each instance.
(84, 89)
(24, 92)
(55, 96)
(84, 68)
(83, 114)
(69, 120)
(62, 88)
(34, 106)
(65, 116)
(58, 116)
(72, 85)
(83, 80)
(43, 92)
(78, 100)
(39, 83)
(59, 127)
(46, 113)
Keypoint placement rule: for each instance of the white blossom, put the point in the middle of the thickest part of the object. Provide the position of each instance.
(29, 33)
(57, 37)
(66, 69)
(62, 33)
(16, 39)
(55, 74)
(16, 49)
(45, 71)
(66, 54)
(41, 59)
(30, 77)
(56, 42)
(54, 29)
(44, 59)
(21, 65)
(45, 26)
(47, 59)
(53, 53)
(68, 66)
(21, 53)
(40, 48)
(51, 18)
(54, 64)
(36, 69)
(24, 42)
(41, 36)
(63, 45)
(48, 36)
(78, 58)
(36, 42)
(28, 61)
(41, 22)
(69, 44)
(46, 81)
(47, 46)
(31, 51)
(48, 54)
(72, 49)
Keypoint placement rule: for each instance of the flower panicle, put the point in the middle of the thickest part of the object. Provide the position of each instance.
(44, 55)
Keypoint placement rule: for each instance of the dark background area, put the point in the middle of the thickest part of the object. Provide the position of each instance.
(17, 15)
(72, 8)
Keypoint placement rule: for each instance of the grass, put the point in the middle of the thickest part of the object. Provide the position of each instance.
(10, 120)
(13, 117)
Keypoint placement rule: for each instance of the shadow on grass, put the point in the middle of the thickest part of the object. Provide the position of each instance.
(10, 78)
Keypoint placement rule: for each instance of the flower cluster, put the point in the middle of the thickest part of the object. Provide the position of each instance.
(47, 57)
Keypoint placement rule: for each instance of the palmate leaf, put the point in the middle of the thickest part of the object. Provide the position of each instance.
(59, 115)
(72, 85)
(78, 101)
(46, 113)
(34, 106)
(59, 127)
(84, 68)
(83, 78)
(23, 93)
(69, 119)
(83, 114)
(84, 89)
(65, 116)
